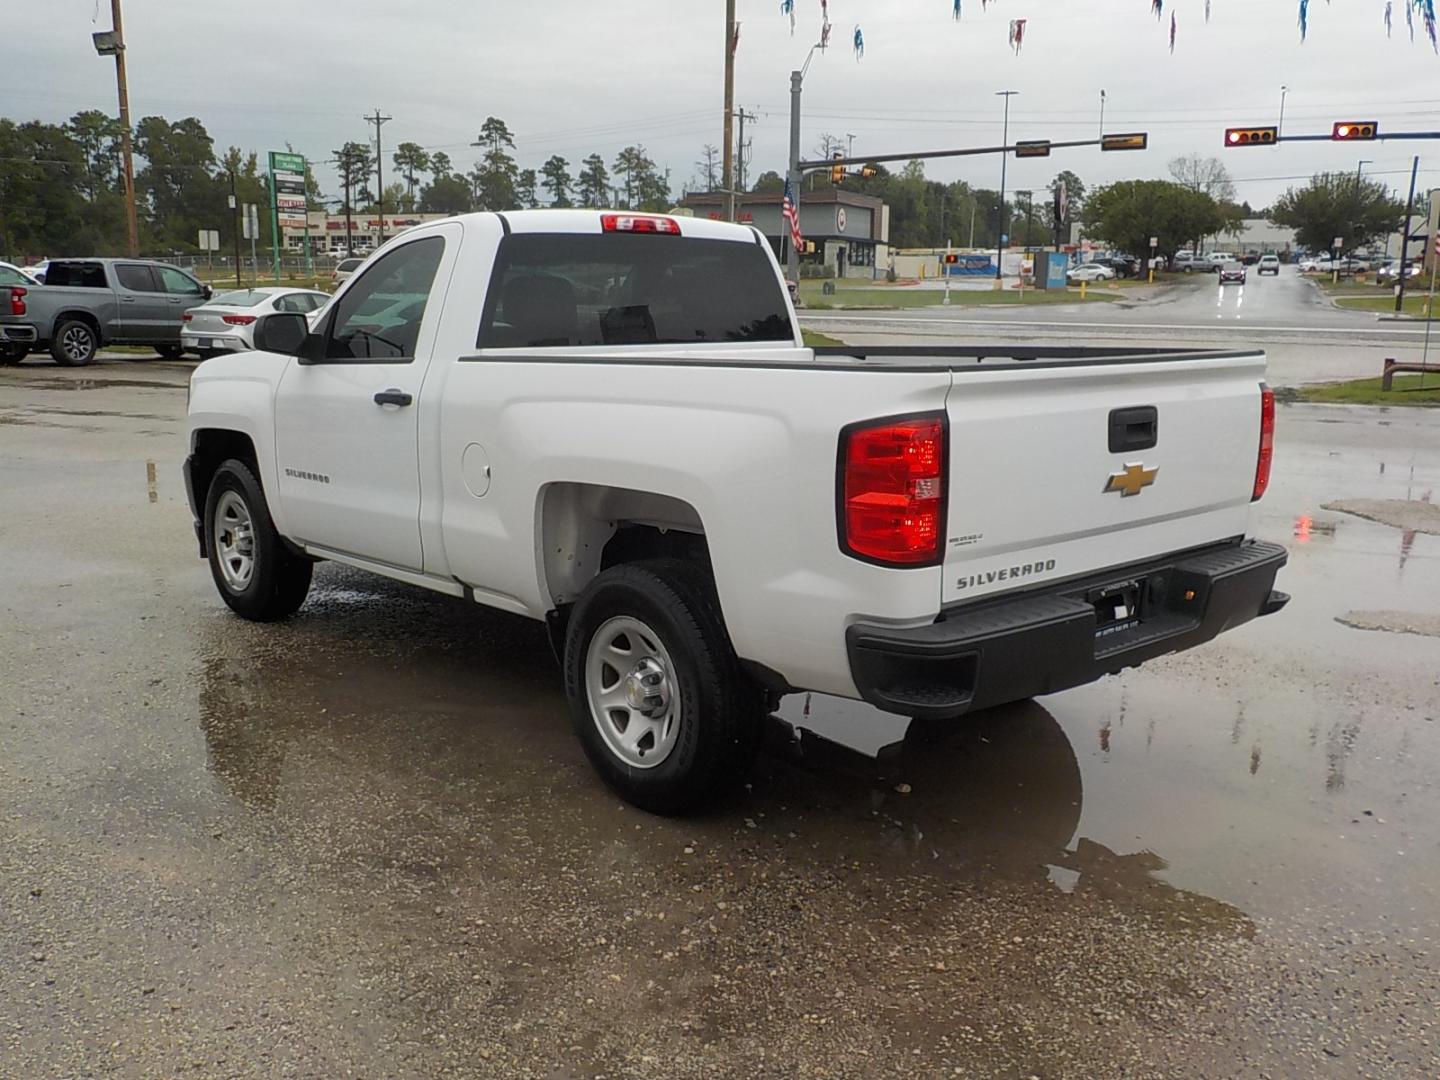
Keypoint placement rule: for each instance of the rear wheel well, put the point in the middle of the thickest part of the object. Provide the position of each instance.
(83, 316)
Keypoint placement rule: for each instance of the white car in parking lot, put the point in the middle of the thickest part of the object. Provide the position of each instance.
(226, 322)
(1090, 272)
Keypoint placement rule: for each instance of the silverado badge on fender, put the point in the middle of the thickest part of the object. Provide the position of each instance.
(1132, 479)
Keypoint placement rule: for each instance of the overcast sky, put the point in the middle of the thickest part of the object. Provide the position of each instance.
(573, 77)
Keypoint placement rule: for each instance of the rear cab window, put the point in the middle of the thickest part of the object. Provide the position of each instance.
(76, 275)
(567, 289)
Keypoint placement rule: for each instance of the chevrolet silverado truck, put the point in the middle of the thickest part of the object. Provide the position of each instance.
(86, 304)
(609, 422)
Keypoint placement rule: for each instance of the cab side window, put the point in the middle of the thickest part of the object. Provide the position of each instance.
(135, 278)
(174, 282)
(379, 316)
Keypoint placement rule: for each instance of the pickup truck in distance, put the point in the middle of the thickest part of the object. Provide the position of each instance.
(608, 421)
(89, 303)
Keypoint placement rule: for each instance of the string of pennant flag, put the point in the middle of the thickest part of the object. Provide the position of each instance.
(1422, 11)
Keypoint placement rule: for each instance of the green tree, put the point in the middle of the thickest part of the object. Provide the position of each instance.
(628, 163)
(525, 189)
(496, 173)
(769, 183)
(594, 185)
(410, 160)
(356, 165)
(42, 210)
(98, 137)
(557, 180)
(178, 182)
(1128, 213)
(440, 165)
(1357, 209)
(449, 194)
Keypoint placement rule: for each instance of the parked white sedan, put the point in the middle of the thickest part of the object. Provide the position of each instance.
(1089, 272)
(226, 322)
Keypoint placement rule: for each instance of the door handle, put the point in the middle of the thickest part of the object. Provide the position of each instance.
(393, 397)
(127, 299)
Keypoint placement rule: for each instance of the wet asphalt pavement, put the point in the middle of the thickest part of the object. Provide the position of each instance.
(363, 843)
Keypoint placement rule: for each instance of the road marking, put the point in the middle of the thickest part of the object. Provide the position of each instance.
(1106, 326)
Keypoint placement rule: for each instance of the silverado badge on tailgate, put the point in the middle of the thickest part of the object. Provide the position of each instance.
(1131, 479)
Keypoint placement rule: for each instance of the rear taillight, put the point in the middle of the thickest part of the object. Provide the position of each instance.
(238, 320)
(186, 317)
(892, 491)
(1267, 441)
(636, 223)
(17, 300)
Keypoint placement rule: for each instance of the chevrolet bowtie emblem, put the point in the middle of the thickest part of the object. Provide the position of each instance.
(1131, 480)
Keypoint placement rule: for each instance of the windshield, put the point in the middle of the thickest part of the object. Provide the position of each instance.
(616, 289)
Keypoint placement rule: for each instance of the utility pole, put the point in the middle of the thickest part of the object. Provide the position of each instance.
(1280, 127)
(132, 224)
(740, 150)
(728, 161)
(849, 145)
(1405, 240)
(1004, 159)
(379, 122)
(235, 223)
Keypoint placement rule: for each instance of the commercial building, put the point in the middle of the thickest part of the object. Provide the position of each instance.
(327, 231)
(844, 231)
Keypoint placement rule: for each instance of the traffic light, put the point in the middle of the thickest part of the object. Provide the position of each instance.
(1133, 140)
(1349, 130)
(1036, 148)
(1251, 136)
(869, 172)
(837, 172)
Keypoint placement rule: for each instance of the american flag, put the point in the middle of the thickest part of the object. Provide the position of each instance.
(791, 213)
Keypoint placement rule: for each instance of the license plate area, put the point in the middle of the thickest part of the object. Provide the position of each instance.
(1118, 606)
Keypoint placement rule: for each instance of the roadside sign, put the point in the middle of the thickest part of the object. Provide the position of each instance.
(1062, 201)
(1154, 241)
(209, 240)
(288, 204)
(1339, 242)
(250, 222)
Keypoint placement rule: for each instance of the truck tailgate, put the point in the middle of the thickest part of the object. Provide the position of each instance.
(1037, 493)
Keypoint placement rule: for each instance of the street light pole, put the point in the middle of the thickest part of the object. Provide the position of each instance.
(1280, 127)
(797, 82)
(1102, 114)
(1004, 159)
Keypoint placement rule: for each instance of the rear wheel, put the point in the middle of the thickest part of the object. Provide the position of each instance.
(11, 353)
(75, 343)
(257, 576)
(169, 352)
(657, 697)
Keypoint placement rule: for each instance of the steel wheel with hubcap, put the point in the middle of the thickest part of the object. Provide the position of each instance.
(257, 574)
(630, 686)
(658, 699)
(234, 535)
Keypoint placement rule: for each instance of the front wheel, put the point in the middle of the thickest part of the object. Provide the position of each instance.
(660, 703)
(257, 576)
(75, 344)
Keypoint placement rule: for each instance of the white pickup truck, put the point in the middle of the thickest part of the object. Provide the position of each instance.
(609, 421)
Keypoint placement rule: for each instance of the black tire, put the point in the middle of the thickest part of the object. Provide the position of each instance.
(75, 343)
(278, 579)
(12, 354)
(721, 709)
(169, 352)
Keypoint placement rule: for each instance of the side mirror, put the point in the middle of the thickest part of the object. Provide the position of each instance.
(283, 332)
(206, 291)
